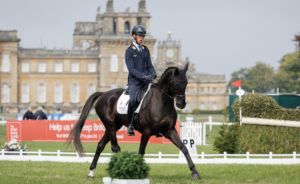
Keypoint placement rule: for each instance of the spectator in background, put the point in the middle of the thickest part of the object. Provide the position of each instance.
(40, 114)
(28, 114)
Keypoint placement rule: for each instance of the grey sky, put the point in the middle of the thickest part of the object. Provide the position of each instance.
(219, 36)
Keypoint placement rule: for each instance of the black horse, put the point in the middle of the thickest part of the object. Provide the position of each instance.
(157, 116)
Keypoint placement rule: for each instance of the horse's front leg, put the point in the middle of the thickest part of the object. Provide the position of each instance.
(101, 145)
(144, 141)
(175, 139)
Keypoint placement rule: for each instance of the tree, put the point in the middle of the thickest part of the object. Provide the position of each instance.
(258, 77)
(288, 76)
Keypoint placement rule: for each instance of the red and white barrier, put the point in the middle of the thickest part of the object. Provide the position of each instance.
(58, 131)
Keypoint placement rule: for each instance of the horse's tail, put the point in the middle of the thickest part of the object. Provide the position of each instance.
(75, 132)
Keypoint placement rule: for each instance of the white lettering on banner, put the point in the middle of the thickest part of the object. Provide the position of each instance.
(120, 136)
(87, 128)
(67, 127)
(62, 136)
(98, 127)
(55, 127)
(88, 136)
(14, 132)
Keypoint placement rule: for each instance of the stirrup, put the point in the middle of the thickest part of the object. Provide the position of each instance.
(130, 130)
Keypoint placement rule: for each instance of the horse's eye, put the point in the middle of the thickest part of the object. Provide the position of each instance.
(177, 85)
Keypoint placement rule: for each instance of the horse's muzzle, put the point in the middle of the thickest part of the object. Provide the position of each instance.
(180, 102)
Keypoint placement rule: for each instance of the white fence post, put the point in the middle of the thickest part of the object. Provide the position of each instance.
(21, 152)
(203, 134)
(40, 153)
(159, 155)
(210, 123)
(202, 155)
(2, 152)
(294, 155)
(270, 155)
(247, 155)
(225, 155)
(58, 153)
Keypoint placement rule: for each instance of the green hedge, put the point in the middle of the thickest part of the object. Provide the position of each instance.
(128, 165)
(263, 139)
(260, 106)
(259, 138)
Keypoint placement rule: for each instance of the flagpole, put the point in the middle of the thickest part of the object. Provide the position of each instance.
(240, 93)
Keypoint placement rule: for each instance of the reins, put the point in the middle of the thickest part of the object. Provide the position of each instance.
(172, 97)
(165, 93)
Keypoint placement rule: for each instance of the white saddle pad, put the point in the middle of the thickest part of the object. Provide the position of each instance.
(123, 101)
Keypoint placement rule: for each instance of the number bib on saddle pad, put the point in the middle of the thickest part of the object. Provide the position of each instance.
(123, 101)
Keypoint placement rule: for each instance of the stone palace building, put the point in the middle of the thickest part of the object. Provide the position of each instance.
(62, 80)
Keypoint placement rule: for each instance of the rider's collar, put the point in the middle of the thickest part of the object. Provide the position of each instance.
(137, 45)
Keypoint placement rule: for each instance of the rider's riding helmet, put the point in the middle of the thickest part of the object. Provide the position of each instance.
(139, 30)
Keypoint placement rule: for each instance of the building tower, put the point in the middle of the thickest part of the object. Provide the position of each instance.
(169, 54)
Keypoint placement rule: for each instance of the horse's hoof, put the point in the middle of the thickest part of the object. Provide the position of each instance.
(91, 174)
(196, 176)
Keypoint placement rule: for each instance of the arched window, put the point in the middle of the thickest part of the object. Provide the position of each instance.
(5, 63)
(139, 20)
(5, 97)
(214, 105)
(202, 105)
(114, 63)
(91, 89)
(25, 93)
(41, 93)
(74, 93)
(114, 26)
(58, 93)
(127, 27)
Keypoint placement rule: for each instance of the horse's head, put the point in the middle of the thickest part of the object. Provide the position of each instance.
(176, 81)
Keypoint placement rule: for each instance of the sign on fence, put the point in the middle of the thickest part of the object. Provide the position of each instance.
(191, 146)
(195, 131)
(58, 131)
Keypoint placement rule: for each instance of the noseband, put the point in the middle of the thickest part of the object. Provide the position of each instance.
(178, 81)
(172, 81)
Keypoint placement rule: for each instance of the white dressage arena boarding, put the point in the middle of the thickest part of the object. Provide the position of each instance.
(58, 156)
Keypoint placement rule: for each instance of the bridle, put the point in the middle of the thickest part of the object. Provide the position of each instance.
(166, 94)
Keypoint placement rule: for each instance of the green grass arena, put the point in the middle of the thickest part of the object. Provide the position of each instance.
(56, 173)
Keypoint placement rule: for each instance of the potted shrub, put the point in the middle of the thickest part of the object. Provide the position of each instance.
(127, 168)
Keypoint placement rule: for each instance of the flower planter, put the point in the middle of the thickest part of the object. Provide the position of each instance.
(109, 180)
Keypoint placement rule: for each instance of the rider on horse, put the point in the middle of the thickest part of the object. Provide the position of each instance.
(141, 70)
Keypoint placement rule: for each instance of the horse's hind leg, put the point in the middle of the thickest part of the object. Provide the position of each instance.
(101, 145)
(113, 139)
(175, 139)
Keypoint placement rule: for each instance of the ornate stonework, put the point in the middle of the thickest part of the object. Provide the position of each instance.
(204, 91)
(63, 79)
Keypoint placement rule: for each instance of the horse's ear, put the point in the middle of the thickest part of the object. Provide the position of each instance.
(186, 67)
(175, 71)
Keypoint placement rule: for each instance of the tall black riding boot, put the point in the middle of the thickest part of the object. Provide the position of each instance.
(130, 115)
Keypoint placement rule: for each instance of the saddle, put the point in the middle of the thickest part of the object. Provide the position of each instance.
(123, 101)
